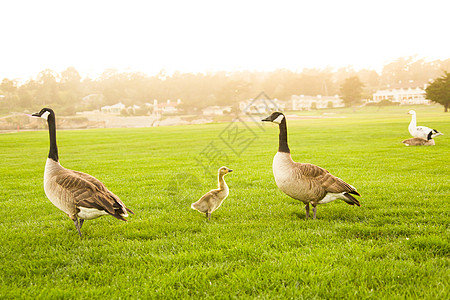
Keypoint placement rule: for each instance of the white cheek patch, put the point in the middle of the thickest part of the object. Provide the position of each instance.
(278, 119)
(45, 115)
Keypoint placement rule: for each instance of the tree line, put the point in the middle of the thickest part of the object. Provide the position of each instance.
(67, 91)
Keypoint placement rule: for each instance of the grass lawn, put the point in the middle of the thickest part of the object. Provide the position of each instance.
(258, 243)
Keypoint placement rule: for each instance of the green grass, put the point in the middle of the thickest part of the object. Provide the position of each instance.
(258, 244)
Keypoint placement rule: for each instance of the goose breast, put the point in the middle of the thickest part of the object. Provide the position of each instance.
(54, 192)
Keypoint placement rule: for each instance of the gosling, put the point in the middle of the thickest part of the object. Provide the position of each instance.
(420, 141)
(212, 200)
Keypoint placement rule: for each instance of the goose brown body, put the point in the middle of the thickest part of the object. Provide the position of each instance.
(307, 182)
(418, 142)
(80, 195)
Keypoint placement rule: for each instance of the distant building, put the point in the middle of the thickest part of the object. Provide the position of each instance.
(133, 108)
(302, 102)
(167, 107)
(113, 109)
(409, 95)
(216, 110)
(261, 106)
(93, 98)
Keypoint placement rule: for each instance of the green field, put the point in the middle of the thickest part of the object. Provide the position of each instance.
(258, 243)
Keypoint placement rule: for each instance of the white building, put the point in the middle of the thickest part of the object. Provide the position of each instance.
(261, 106)
(216, 110)
(302, 102)
(167, 107)
(113, 109)
(402, 96)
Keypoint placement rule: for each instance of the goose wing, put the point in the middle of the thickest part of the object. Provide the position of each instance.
(423, 129)
(329, 182)
(87, 191)
(103, 188)
(421, 132)
(203, 204)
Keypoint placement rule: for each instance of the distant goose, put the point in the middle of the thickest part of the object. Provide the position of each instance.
(212, 200)
(419, 141)
(306, 182)
(420, 131)
(77, 194)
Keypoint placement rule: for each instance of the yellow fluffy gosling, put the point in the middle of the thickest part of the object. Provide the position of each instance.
(212, 200)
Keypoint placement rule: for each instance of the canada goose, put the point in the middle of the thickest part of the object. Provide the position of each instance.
(212, 200)
(419, 141)
(420, 131)
(306, 182)
(78, 194)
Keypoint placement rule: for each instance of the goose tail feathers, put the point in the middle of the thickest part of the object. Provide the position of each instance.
(349, 199)
(436, 133)
(122, 213)
(355, 193)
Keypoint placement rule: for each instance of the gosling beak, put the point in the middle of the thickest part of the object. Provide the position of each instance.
(267, 119)
(229, 170)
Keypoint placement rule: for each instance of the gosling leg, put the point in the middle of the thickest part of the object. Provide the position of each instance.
(208, 215)
(307, 210)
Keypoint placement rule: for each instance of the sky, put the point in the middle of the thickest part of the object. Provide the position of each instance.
(209, 36)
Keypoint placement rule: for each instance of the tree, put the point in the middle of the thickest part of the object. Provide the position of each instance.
(8, 86)
(351, 91)
(8, 90)
(47, 91)
(439, 90)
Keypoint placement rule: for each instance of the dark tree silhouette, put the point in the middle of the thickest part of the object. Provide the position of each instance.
(351, 91)
(439, 90)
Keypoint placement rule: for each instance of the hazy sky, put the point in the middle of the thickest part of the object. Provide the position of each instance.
(199, 36)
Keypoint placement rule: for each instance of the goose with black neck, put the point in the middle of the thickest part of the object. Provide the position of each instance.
(308, 183)
(79, 195)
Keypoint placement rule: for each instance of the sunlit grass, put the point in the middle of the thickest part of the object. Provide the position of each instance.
(258, 243)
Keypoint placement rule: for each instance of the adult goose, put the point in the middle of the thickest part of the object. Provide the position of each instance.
(420, 131)
(212, 200)
(79, 195)
(306, 182)
(419, 141)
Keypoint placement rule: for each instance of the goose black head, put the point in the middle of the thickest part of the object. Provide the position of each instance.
(44, 113)
(276, 117)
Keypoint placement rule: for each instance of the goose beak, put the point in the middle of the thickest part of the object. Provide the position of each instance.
(35, 115)
(267, 119)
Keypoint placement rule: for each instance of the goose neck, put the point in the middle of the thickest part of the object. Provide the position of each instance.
(53, 152)
(413, 120)
(282, 142)
(221, 182)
